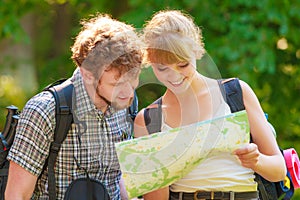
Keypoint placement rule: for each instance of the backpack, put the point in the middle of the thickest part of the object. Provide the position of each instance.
(232, 93)
(62, 91)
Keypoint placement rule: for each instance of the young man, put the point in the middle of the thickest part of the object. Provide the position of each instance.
(108, 58)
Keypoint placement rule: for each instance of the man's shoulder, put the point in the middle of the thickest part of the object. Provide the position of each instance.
(42, 103)
(44, 97)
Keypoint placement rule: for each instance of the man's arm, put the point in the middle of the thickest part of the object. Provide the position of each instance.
(124, 195)
(20, 184)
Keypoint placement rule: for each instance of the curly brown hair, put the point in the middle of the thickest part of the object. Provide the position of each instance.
(106, 43)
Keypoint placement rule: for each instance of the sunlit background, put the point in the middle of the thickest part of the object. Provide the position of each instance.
(257, 41)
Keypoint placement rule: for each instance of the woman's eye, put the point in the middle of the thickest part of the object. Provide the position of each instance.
(183, 65)
(161, 69)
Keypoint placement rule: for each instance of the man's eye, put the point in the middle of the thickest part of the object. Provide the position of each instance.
(116, 84)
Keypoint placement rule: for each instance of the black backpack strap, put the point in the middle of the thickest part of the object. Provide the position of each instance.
(64, 118)
(132, 111)
(153, 117)
(232, 93)
(134, 107)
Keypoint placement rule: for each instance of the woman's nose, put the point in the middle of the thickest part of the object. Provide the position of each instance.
(174, 73)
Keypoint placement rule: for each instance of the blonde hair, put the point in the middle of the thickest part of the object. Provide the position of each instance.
(105, 43)
(172, 36)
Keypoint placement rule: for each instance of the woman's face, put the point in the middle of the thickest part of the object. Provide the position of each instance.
(177, 77)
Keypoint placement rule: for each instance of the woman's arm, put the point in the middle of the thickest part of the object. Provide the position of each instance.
(263, 155)
(140, 129)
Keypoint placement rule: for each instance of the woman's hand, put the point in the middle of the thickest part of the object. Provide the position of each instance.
(248, 155)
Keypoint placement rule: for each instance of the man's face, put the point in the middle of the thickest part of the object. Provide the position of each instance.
(116, 89)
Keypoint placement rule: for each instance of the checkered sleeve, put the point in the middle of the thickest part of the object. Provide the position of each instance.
(34, 133)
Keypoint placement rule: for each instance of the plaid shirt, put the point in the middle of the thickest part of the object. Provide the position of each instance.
(90, 141)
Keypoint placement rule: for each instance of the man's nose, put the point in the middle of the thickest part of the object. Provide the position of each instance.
(127, 89)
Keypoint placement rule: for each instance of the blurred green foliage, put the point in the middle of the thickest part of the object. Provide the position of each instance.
(257, 41)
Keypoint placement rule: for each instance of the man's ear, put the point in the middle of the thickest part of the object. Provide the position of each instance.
(88, 77)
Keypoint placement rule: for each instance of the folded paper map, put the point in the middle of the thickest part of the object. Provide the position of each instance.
(158, 160)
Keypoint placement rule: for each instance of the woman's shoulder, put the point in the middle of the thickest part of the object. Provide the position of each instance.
(139, 122)
(140, 116)
(244, 85)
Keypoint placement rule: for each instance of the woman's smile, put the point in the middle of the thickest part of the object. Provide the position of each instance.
(177, 83)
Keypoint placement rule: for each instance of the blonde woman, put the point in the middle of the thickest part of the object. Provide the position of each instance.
(173, 44)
